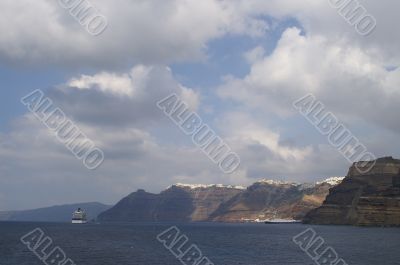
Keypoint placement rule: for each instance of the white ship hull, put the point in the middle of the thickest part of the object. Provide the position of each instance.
(79, 222)
(79, 217)
(282, 221)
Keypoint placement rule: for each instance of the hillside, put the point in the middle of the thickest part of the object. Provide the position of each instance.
(366, 199)
(59, 213)
(178, 202)
(263, 200)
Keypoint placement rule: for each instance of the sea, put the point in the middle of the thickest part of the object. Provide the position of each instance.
(221, 244)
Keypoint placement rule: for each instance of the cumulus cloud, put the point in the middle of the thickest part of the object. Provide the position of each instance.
(155, 31)
(320, 18)
(265, 151)
(348, 80)
(142, 31)
(121, 99)
(242, 128)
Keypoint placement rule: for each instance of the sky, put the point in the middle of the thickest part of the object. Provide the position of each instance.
(239, 64)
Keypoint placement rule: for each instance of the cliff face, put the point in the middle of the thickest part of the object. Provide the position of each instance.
(366, 199)
(267, 200)
(136, 207)
(207, 200)
(262, 200)
(182, 203)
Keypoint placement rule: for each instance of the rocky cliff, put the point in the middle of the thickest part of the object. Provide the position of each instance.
(182, 202)
(138, 206)
(178, 202)
(364, 198)
(266, 200)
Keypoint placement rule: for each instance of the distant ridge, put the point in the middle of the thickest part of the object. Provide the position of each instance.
(263, 200)
(58, 213)
(197, 186)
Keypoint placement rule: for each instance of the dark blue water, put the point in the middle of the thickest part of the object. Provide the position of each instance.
(223, 244)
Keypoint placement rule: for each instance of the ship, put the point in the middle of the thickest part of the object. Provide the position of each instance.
(79, 217)
(276, 220)
(282, 221)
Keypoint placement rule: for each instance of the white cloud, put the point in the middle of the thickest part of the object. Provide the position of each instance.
(122, 85)
(347, 79)
(255, 54)
(264, 153)
(121, 99)
(320, 18)
(150, 31)
(156, 31)
(242, 129)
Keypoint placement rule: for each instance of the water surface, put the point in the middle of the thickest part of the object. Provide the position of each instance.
(223, 244)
